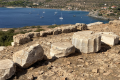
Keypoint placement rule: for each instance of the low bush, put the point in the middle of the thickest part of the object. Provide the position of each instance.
(22, 32)
(33, 27)
(52, 26)
(100, 14)
(38, 30)
(38, 27)
(6, 37)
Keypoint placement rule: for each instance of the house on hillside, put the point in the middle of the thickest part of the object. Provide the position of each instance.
(113, 7)
(35, 4)
(104, 8)
(69, 7)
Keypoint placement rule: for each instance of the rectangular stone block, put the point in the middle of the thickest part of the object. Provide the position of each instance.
(109, 38)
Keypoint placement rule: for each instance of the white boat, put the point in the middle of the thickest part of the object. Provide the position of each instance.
(54, 23)
(61, 17)
(38, 13)
(42, 17)
(43, 11)
(55, 12)
(30, 11)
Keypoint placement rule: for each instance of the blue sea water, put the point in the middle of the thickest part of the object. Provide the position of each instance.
(20, 17)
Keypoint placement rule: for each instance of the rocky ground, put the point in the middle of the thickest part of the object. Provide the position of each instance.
(103, 65)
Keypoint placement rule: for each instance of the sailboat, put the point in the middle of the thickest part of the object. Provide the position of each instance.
(30, 11)
(42, 16)
(38, 13)
(43, 11)
(55, 12)
(54, 23)
(61, 17)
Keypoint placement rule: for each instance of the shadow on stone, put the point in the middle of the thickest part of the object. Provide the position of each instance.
(19, 72)
(77, 52)
(104, 48)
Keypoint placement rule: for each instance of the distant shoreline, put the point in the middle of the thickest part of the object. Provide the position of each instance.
(51, 9)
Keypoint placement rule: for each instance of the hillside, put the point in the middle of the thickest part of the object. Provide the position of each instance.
(102, 65)
(75, 4)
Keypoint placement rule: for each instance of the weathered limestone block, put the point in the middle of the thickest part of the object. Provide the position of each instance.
(61, 49)
(115, 22)
(81, 26)
(13, 44)
(21, 38)
(7, 69)
(36, 34)
(43, 33)
(72, 28)
(33, 34)
(28, 56)
(57, 31)
(86, 41)
(30, 34)
(49, 32)
(95, 23)
(109, 38)
(2, 48)
(66, 29)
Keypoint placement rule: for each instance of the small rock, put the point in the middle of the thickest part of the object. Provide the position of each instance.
(30, 77)
(118, 76)
(81, 60)
(95, 70)
(107, 73)
(99, 78)
(80, 57)
(68, 63)
(101, 70)
(82, 79)
(70, 71)
(69, 66)
(80, 65)
(86, 63)
(41, 72)
(31, 68)
(63, 78)
(96, 74)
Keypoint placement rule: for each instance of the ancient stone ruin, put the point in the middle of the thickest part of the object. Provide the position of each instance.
(109, 38)
(61, 49)
(7, 69)
(84, 41)
(28, 56)
(87, 41)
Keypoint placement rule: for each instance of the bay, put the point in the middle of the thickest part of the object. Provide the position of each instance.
(20, 17)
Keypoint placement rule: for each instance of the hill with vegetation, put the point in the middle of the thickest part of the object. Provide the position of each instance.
(106, 8)
(74, 4)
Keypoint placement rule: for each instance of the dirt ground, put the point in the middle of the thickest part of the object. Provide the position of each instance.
(103, 65)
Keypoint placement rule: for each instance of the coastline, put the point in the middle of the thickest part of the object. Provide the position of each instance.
(50, 8)
(94, 14)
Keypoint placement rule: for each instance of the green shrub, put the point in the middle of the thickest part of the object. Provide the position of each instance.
(22, 32)
(38, 27)
(6, 37)
(100, 14)
(26, 27)
(33, 27)
(52, 26)
(38, 30)
(29, 31)
(112, 14)
(11, 31)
